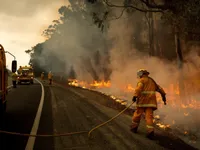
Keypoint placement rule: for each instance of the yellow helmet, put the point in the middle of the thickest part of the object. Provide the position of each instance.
(142, 72)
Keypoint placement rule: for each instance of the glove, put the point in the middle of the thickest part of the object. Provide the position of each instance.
(164, 99)
(134, 99)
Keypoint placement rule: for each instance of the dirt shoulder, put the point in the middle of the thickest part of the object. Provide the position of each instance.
(98, 106)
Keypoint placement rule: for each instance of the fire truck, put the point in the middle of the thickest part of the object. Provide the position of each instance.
(4, 78)
(25, 75)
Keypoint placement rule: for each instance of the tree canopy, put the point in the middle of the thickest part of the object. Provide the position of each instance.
(76, 38)
(183, 14)
(79, 38)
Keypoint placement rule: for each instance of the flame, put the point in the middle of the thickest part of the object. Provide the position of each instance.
(129, 88)
(100, 84)
(113, 97)
(173, 92)
(185, 132)
(163, 125)
(186, 114)
(157, 117)
(173, 96)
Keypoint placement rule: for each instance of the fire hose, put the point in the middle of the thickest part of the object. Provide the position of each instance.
(69, 133)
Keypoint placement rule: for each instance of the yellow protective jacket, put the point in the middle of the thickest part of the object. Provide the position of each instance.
(146, 92)
(50, 75)
(14, 76)
(19, 70)
(42, 76)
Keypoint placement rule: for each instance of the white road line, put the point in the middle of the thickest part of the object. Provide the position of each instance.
(31, 140)
(8, 87)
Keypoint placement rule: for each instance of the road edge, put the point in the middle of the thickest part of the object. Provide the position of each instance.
(9, 87)
(31, 140)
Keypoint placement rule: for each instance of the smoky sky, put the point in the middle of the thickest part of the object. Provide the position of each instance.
(22, 23)
(25, 8)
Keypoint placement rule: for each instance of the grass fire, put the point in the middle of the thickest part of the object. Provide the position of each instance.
(162, 119)
(100, 46)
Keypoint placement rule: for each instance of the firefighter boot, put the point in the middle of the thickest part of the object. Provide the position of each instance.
(50, 81)
(151, 135)
(14, 84)
(133, 128)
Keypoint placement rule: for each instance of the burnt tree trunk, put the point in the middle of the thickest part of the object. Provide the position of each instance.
(180, 66)
(72, 73)
(89, 68)
(157, 48)
(151, 34)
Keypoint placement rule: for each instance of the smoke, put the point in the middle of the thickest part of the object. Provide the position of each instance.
(122, 49)
(78, 43)
(75, 47)
(81, 44)
(126, 60)
(25, 8)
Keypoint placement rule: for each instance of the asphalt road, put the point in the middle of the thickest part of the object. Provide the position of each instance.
(68, 109)
(22, 104)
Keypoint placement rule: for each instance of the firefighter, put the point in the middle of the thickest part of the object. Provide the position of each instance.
(50, 77)
(14, 80)
(145, 98)
(20, 70)
(42, 76)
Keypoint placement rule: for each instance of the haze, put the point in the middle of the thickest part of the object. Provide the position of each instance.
(22, 23)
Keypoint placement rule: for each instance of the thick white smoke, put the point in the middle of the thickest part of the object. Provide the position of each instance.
(126, 60)
(82, 39)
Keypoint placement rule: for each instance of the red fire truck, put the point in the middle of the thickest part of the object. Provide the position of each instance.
(4, 78)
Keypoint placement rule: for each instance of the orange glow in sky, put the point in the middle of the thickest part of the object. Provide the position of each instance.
(21, 26)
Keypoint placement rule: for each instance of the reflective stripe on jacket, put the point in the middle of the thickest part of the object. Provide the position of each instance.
(146, 92)
(19, 70)
(50, 76)
(14, 76)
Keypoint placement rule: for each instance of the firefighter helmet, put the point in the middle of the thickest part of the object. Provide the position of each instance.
(142, 72)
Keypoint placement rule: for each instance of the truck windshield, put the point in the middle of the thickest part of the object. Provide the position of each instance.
(25, 71)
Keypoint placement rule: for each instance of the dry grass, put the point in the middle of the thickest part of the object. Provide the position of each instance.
(102, 99)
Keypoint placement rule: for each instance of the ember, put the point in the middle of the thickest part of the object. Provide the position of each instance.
(177, 107)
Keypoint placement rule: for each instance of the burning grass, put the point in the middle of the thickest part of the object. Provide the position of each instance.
(178, 117)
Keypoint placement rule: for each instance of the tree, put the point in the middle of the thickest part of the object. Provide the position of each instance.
(72, 73)
(74, 25)
(42, 62)
(182, 16)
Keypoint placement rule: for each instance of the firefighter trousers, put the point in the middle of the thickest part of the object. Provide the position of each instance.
(50, 81)
(148, 117)
(14, 83)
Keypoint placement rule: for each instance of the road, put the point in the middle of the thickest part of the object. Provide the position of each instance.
(69, 109)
